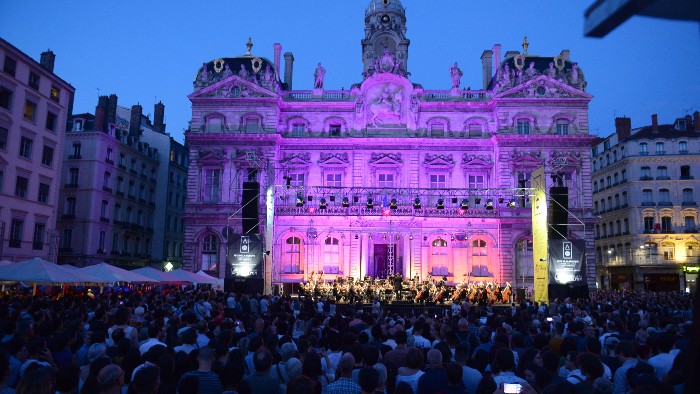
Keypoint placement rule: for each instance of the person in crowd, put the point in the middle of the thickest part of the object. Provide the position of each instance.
(344, 384)
(261, 381)
(434, 380)
(209, 382)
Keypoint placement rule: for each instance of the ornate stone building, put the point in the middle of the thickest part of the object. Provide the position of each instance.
(646, 194)
(388, 176)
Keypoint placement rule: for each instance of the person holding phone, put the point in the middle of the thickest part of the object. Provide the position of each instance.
(506, 363)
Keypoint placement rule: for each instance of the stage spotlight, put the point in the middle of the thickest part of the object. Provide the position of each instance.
(477, 201)
(500, 200)
(393, 204)
(440, 204)
(454, 200)
(416, 203)
(322, 203)
(511, 203)
(357, 236)
(384, 236)
(356, 199)
(346, 202)
(300, 200)
(370, 203)
(410, 237)
(489, 204)
(464, 204)
(332, 198)
(310, 198)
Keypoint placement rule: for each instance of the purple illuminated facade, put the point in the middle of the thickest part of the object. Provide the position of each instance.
(387, 176)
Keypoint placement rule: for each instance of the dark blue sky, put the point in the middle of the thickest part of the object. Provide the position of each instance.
(146, 51)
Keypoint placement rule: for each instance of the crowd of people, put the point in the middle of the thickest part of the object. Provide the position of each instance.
(197, 341)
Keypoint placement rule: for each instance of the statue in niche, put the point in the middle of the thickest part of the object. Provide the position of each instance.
(531, 72)
(456, 75)
(227, 71)
(203, 76)
(551, 71)
(267, 75)
(415, 105)
(388, 103)
(243, 73)
(319, 76)
(519, 77)
(505, 76)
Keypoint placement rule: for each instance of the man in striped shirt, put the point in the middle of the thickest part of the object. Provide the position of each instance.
(208, 381)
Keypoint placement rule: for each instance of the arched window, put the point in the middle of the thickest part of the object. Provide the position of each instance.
(660, 148)
(210, 251)
(562, 127)
(666, 224)
(643, 149)
(331, 255)
(291, 258)
(480, 258)
(524, 260)
(667, 249)
(523, 126)
(215, 124)
(439, 257)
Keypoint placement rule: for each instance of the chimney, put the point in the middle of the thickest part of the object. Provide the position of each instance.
(696, 121)
(278, 51)
(111, 110)
(566, 54)
(47, 60)
(486, 72)
(623, 127)
(159, 117)
(654, 123)
(135, 121)
(496, 58)
(100, 113)
(288, 66)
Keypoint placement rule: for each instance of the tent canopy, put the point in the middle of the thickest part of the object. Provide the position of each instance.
(191, 277)
(160, 276)
(38, 270)
(112, 274)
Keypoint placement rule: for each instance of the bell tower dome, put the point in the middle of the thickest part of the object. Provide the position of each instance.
(385, 29)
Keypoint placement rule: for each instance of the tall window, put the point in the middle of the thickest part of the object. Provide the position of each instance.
(685, 172)
(439, 257)
(215, 125)
(646, 172)
(667, 249)
(16, 233)
(21, 186)
(297, 179)
(292, 256)
(212, 186)
(643, 149)
(437, 181)
(67, 238)
(687, 195)
(624, 175)
(209, 251)
(51, 119)
(647, 197)
(298, 129)
(47, 156)
(334, 180)
(480, 259)
(689, 224)
(34, 80)
(661, 172)
(331, 255)
(666, 226)
(107, 180)
(101, 242)
(38, 239)
(6, 98)
(562, 127)
(103, 209)
(523, 127)
(109, 156)
(664, 196)
(73, 175)
(4, 131)
(117, 212)
(660, 149)
(476, 182)
(9, 66)
(385, 180)
(648, 224)
(252, 125)
(627, 226)
(43, 196)
(525, 263)
(437, 130)
(71, 204)
(25, 147)
(115, 242)
(683, 147)
(29, 111)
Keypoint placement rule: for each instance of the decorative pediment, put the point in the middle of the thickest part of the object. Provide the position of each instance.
(471, 161)
(296, 160)
(385, 159)
(526, 158)
(334, 160)
(212, 156)
(564, 159)
(246, 157)
(438, 162)
(543, 87)
(233, 87)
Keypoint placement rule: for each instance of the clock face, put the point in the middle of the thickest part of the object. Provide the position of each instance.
(383, 43)
(385, 18)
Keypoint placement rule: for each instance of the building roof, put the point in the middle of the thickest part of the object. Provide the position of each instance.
(541, 66)
(665, 131)
(234, 64)
(36, 63)
(384, 5)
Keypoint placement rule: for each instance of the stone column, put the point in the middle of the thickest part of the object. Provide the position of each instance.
(364, 253)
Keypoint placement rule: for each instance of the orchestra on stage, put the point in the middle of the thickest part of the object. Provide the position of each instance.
(396, 288)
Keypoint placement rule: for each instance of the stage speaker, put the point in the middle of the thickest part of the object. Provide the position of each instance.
(250, 210)
(559, 214)
(520, 295)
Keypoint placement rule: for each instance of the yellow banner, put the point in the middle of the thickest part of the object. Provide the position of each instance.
(539, 234)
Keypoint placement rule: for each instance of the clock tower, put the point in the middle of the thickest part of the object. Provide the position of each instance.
(385, 29)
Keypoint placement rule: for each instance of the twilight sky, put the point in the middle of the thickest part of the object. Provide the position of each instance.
(145, 51)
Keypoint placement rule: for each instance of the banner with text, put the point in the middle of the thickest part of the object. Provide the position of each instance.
(244, 257)
(567, 261)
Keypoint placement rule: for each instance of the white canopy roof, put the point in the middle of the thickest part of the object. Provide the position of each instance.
(112, 274)
(38, 270)
(191, 277)
(160, 276)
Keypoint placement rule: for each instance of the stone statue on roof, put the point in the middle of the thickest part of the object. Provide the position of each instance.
(243, 73)
(227, 71)
(319, 76)
(531, 71)
(203, 76)
(551, 71)
(456, 75)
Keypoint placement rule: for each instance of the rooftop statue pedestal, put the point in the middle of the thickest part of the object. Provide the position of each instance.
(455, 92)
(317, 92)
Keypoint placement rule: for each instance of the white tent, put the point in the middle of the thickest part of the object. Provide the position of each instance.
(160, 276)
(112, 274)
(191, 277)
(219, 282)
(37, 270)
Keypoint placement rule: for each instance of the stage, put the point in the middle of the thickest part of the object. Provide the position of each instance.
(408, 308)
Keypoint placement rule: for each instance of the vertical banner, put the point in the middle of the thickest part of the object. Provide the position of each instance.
(539, 234)
(567, 261)
(244, 256)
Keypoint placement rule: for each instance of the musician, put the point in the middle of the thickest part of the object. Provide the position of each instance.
(352, 294)
(336, 292)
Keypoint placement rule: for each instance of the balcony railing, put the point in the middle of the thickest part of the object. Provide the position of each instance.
(665, 204)
(686, 177)
(646, 178)
(75, 157)
(663, 178)
(648, 204)
(689, 203)
(107, 189)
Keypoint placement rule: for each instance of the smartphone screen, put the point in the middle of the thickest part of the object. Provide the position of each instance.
(512, 388)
